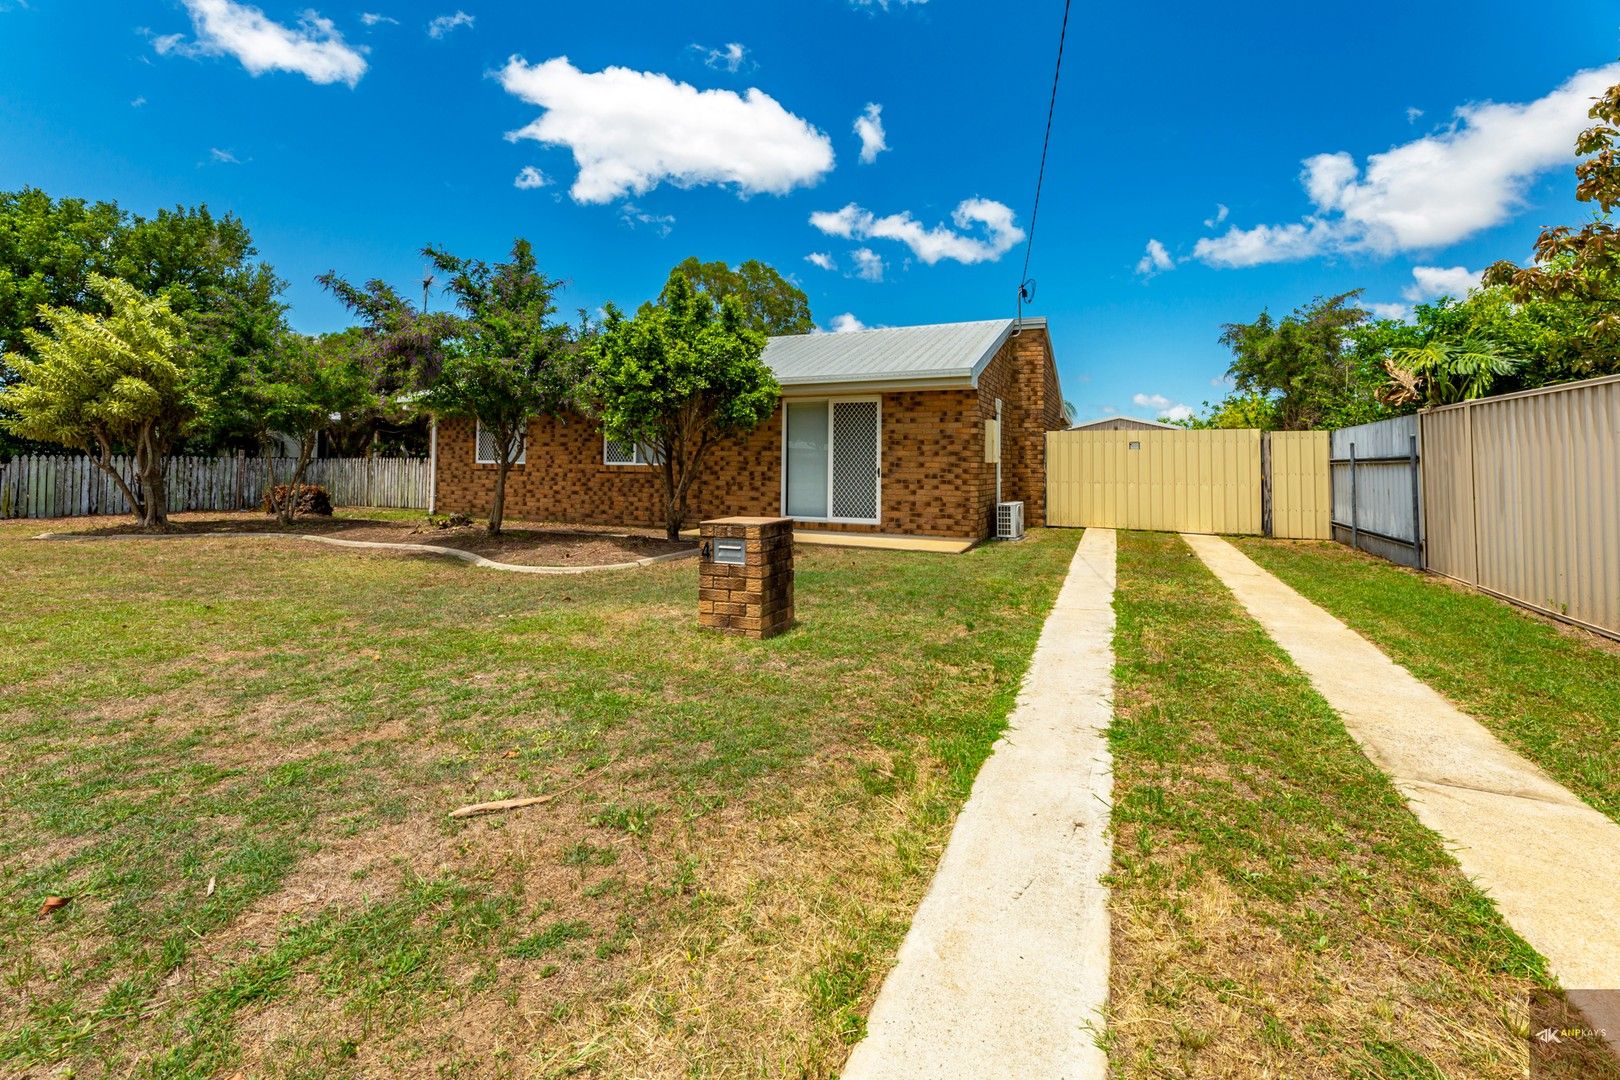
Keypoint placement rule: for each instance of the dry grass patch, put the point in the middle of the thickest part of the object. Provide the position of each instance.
(720, 896)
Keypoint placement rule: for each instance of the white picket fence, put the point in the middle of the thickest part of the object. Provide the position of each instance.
(67, 485)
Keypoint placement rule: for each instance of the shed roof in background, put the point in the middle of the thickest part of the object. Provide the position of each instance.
(946, 354)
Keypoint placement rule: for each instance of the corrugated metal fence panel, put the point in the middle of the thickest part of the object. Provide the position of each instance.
(1448, 493)
(1301, 500)
(1383, 489)
(70, 485)
(1172, 481)
(1546, 489)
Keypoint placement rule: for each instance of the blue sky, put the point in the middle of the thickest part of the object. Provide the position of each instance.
(1208, 160)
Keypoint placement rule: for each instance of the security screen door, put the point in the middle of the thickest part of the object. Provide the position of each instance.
(832, 459)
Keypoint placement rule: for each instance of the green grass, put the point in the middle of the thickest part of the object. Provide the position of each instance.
(238, 756)
(1551, 693)
(1278, 910)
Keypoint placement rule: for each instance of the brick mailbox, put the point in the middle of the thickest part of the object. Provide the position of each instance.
(745, 575)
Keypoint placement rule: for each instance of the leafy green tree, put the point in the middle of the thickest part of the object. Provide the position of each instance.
(298, 386)
(509, 361)
(677, 378)
(1252, 410)
(1579, 269)
(100, 383)
(1304, 364)
(203, 265)
(770, 303)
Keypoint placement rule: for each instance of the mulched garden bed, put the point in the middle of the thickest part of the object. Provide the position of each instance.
(523, 543)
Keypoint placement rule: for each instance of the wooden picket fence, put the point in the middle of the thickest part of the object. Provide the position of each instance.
(68, 485)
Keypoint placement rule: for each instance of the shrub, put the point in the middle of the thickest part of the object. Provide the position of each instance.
(312, 499)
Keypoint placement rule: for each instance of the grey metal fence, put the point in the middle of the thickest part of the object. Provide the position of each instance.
(1377, 489)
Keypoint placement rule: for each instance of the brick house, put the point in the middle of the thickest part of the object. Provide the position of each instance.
(879, 431)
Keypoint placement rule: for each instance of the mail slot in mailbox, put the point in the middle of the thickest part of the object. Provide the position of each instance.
(730, 552)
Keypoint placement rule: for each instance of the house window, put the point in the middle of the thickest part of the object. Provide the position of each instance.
(626, 452)
(486, 451)
(831, 460)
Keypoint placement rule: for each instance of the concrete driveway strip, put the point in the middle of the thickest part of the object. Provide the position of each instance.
(1004, 972)
(1550, 861)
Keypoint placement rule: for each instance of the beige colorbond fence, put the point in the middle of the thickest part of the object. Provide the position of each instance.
(1170, 481)
(1522, 498)
(68, 485)
(1298, 485)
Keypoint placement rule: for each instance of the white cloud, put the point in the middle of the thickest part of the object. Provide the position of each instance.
(1163, 407)
(442, 25)
(138, 102)
(884, 4)
(1413, 113)
(635, 217)
(223, 157)
(869, 126)
(1221, 211)
(1427, 193)
(529, 178)
(313, 49)
(1432, 282)
(1223, 382)
(1156, 260)
(1399, 312)
(372, 18)
(633, 130)
(931, 245)
(1266, 244)
(868, 264)
(729, 57)
(845, 324)
(822, 259)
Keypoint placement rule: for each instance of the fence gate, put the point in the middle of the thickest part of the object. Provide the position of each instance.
(1377, 489)
(1298, 495)
(1164, 481)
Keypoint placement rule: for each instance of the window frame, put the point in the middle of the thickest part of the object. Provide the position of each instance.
(478, 439)
(642, 456)
(829, 402)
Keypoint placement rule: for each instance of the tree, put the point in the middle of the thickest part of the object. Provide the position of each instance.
(1441, 372)
(770, 303)
(508, 361)
(300, 384)
(401, 349)
(1579, 269)
(677, 378)
(1303, 364)
(201, 264)
(99, 383)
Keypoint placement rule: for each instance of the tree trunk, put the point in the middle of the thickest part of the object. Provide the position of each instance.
(497, 511)
(289, 509)
(155, 493)
(104, 463)
(149, 464)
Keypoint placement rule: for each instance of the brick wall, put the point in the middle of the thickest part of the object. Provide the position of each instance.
(935, 479)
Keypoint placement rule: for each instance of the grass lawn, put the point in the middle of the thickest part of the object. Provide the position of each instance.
(1277, 909)
(1550, 692)
(237, 757)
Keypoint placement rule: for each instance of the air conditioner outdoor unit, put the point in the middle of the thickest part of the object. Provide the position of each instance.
(1010, 521)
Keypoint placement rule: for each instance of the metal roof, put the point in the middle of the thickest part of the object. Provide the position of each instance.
(945, 354)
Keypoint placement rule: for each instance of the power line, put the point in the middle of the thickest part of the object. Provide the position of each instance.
(1046, 142)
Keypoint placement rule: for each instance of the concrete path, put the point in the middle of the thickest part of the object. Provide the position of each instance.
(381, 545)
(1004, 972)
(1550, 861)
